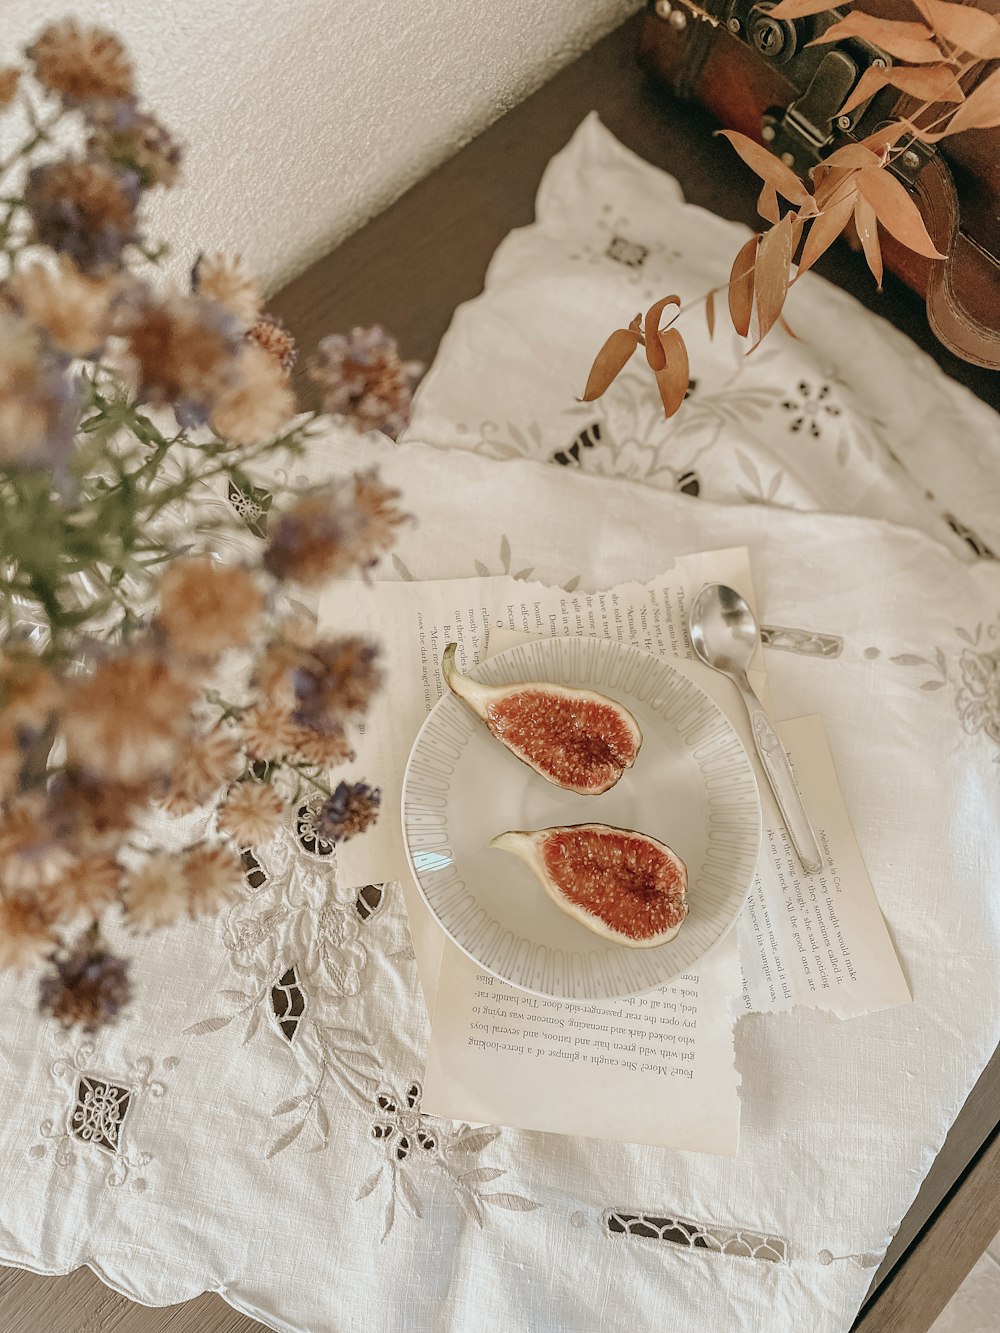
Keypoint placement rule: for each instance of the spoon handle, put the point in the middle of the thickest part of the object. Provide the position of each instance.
(782, 779)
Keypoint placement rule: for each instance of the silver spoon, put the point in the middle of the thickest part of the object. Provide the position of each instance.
(724, 635)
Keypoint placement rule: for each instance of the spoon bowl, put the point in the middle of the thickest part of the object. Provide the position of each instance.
(723, 629)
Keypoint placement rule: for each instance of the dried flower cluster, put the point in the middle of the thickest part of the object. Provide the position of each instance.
(944, 61)
(114, 649)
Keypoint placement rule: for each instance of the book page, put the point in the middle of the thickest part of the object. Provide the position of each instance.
(815, 940)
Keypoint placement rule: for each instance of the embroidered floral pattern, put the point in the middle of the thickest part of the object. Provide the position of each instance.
(413, 1144)
(98, 1113)
(978, 695)
(811, 407)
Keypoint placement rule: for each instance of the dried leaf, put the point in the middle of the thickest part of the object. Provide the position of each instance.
(769, 168)
(787, 328)
(409, 1195)
(480, 1175)
(280, 1144)
(931, 83)
(771, 275)
(979, 111)
(867, 227)
(673, 380)
(505, 553)
(609, 362)
(970, 29)
(741, 286)
(209, 1025)
(366, 1186)
(767, 203)
(800, 9)
(896, 211)
(710, 313)
(515, 1203)
(475, 1140)
(654, 349)
(907, 41)
(824, 230)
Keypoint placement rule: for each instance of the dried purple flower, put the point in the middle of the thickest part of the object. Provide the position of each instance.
(84, 209)
(361, 377)
(351, 809)
(89, 987)
(81, 65)
(136, 141)
(184, 349)
(333, 680)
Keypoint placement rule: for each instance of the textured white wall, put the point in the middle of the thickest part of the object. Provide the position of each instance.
(303, 118)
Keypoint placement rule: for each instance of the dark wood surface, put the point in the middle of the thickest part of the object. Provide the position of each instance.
(408, 269)
(942, 1256)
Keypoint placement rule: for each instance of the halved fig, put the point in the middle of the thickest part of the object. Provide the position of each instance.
(625, 886)
(577, 739)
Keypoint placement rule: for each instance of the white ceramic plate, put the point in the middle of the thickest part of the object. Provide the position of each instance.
(692, 786)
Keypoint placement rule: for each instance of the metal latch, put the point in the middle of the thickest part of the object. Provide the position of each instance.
(798, 134)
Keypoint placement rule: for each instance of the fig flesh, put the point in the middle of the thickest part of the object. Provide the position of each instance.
(577, 739)
(623, 885)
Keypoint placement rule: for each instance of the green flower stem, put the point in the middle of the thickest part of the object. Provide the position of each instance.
(303, 771)
(39, 135)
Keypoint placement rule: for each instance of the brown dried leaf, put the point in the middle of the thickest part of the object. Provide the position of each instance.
(971, 29)
(672, 381)
(741, 286)
(907, 41)
(931, 83)
(867, 228)
(609, 362)
(710, 313)
(824, 231)
(784, 324)
(768, 167)
(979, 111)
(896, 211)
(767, 203)
(654, 351)
(771, 275)
(800, 9)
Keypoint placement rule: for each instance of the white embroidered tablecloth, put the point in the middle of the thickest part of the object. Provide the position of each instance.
(253, 1124)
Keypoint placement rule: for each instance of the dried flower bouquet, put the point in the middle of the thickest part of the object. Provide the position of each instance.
(142, 677)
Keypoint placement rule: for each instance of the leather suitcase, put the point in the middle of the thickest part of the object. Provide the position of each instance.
(759, 75)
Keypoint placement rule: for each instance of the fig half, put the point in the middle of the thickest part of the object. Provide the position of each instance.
(625, 886)
(577, 739)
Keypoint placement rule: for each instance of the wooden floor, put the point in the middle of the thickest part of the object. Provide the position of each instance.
(80, 1303)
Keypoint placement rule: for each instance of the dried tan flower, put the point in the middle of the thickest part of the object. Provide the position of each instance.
(361, 377)
(87, 815)
(88, 884)
(334, 681)
(30, 854)
(223, 278)
(25, 933)
(213, 874)
(11, 760)
(9, 79)
(84, 209)
(207, 607)
(125, 723)
(323, 749)
(156, 891)
(251, 814)
(29, 693)
(81, 64)
(38, 401)
(203, 765)
(351, 809)
(183, 350)
(333, 529)
(88, 987)
(270, 334)
(73, 309)
(268, 731)
(135, 140)
(256, 401)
